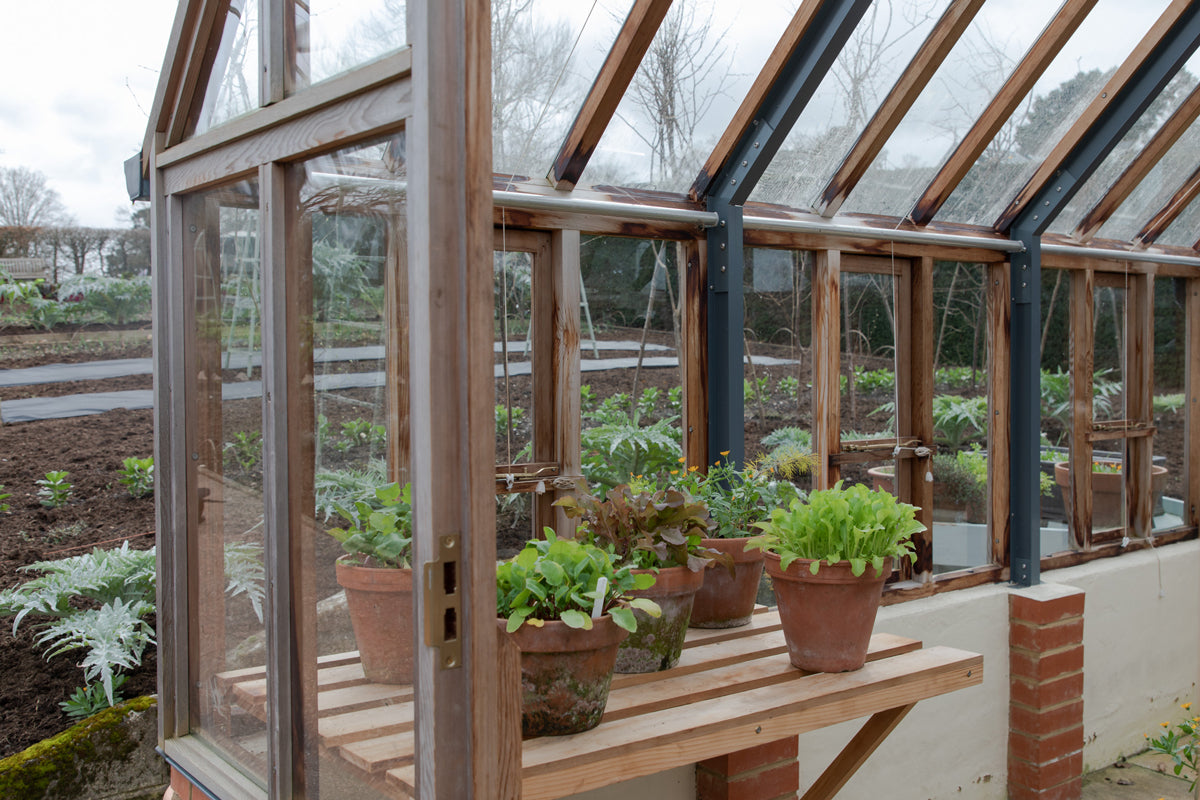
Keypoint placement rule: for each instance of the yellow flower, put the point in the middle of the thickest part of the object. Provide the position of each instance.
(1165, 724)
(1186, 706)
(674, 472)
(724, 452)
(682, 459)
(693, 468)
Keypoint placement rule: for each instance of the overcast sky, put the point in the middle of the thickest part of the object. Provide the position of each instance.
(79, 80)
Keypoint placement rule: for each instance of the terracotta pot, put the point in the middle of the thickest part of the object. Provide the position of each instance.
(658, 642)
(944, 510)
(380, 602)
(727, 601)
(828, 617)
(565, 675)
(1108, 488)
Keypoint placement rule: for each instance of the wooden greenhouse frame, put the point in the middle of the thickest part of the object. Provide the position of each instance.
(431, 103)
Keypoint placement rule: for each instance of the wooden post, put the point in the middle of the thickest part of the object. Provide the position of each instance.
(826, 358)
(459, 703)
(1082, 349)
(396, 350)
(916, 348)
(1139, 402)
(1191, 437)
(693, 351)
(999, 319)
(564, 258)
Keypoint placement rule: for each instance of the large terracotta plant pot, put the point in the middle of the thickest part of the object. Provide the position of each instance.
(565, 675)
(828, 617)
(658, 642)
(380, 602)
(1108, 488)
(727, 601)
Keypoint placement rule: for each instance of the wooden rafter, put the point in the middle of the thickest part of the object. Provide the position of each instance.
(754, 98)
(1168, 213)
(989, 123)
(1051, 167)
(1150, 155)
(202, 47)
(611, 83)
(165, 94)
(908, 87)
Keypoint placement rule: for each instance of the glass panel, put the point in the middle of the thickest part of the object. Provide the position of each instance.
(513, 273)
(1108, 403)
(225, 476)
(545, 55)
(960, 90)
(880, 48)
(702, 62)
(1156, 190)
(630, 379)
(1171, 349)
(1073, 79)
(353, 384)
(960, 416)
(868, 355)
(778, 382)
(233, 87)
(1055, 407)
(1183, 232)
(336, 36)
(1127, 149)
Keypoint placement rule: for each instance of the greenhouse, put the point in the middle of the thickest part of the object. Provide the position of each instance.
(440, 275)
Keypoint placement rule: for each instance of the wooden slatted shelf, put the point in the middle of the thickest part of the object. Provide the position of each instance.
(732, 689)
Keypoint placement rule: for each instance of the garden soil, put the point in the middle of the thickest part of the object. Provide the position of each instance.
(101, 512)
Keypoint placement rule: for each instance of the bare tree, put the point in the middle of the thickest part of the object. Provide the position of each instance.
(26, 200)
(81, 244)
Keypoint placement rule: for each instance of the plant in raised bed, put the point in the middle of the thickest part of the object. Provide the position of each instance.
(651, 530)
(1182, 744)
(619, 447)
(55, 489)
(118, 300)
(4, 507)
(568, 609)
(137, 475)
(736, 499)
(1108, 489)
(377, 577)
(828, 611)
(957, 420)
(246, 449)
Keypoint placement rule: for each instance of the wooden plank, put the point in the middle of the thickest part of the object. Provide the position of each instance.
(1052, 165)
(908, 87)
(1052, 39)
(1139, 401)
(743, 118)
(917, 346)
(1191, 390)
(616, 73)
(544, 400)
(567, 280)
(1082, 348)
(396, 415)
(381, 753)
(373, 113)
(1163, 218)
(355, 726)
(1140, 167)
(558, 766)
(909, 483)
(826, 339)
(999, 437)
(856, 752)
(202, 43)
(166, 93)
(693, 360)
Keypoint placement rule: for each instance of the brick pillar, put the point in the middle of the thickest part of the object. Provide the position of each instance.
(766, 772)
(1045, 712)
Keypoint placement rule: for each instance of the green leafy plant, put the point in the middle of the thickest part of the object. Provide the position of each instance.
(789, 385)
(246, 449)
(379, 533)
(119, 300)
(621, 448)
(675, 400)
(87, 700)
(645, 529)
(503, 419)
(4, 507)
(963, 476)
(874, 380)
(737, 498)
(957, 419)
(54, 489)
(854, 524)
(958, 378)
(1182, 744)
(1169, 403)
(558, 579)
(1057, 401)
(647, 404)
(345, 487)
(791, 454)
(587, 398)
(137, 475)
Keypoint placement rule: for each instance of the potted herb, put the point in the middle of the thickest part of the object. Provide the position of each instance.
(377, 577)
(959, 484)
(658, 532)
(1108, 489)
(568, 610)
(736, 499)
(828, 559)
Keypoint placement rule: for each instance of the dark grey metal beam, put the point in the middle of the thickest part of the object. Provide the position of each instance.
(1124, 110)
(828, 32)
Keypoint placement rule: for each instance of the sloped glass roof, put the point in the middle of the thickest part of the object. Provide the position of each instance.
(545, 56)
(881, 46)
(958, 93)
(1185, 230)
(233, 85)
(1098, 185)
(1073, 79)
(344, 34)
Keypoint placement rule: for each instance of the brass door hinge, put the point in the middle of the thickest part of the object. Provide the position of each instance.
(442, 606)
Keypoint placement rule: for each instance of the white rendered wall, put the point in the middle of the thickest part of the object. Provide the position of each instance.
(1141, 660)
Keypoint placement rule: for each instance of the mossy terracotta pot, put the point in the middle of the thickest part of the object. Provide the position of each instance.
(725, 600)
(658, 641)
(565, 675)
(380, 602)
(828, 617)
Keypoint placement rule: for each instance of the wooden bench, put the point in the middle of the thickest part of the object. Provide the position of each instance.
(733, 689)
